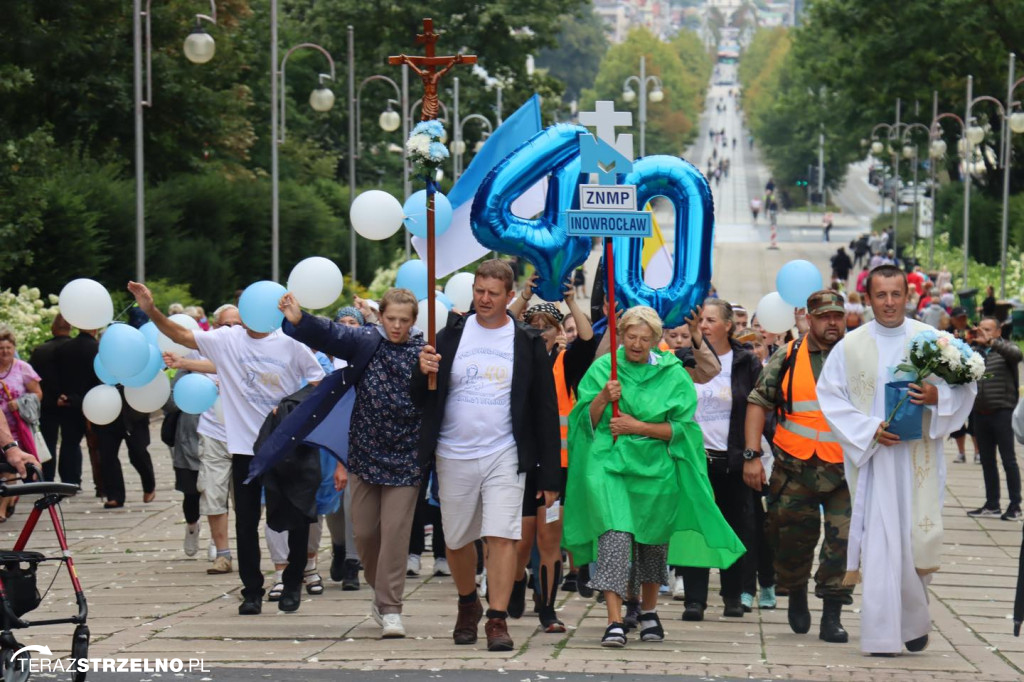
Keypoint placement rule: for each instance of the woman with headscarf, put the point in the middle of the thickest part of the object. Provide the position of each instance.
(638, 478)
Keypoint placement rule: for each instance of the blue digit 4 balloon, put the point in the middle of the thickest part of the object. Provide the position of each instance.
(685, 186)
(543, 241)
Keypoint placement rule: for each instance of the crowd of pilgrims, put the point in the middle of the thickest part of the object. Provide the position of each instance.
(389, 468)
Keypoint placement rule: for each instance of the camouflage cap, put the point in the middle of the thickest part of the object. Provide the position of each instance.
(825, 301)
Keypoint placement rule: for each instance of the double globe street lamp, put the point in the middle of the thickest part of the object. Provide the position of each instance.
(656, 95)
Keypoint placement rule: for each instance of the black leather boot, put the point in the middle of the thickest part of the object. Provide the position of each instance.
(831, 630)
(799, 614)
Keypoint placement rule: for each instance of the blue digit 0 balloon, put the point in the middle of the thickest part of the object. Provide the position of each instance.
(543, 241)
(682, 184)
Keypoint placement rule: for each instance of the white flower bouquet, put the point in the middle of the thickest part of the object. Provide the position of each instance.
(425, 146)
(929, 353)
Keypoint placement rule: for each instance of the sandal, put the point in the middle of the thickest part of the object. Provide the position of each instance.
(275, 592)
(549, 621)
(314, 583)
(614, 636)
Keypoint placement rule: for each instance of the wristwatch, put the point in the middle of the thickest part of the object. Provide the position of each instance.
(9, 446)
(749, 454)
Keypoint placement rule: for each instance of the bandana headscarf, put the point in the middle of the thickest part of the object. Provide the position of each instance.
(548, 308)
(349, 311)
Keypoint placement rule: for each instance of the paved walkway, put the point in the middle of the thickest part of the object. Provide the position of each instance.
(147, 599)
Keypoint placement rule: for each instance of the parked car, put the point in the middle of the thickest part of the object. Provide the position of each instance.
(911, 193)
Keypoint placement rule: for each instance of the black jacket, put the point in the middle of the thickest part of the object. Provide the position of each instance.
(999, 390)
(44, 362)
(746, 368)
(291, 484)
(74, 368)
(534, 404)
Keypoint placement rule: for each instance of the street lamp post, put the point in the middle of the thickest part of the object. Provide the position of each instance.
(1013, 122)
(321, 100)
(909, 151)
(936, 150)
(458, 145)
(656, 95)
(892, 133)
(199, 48)
(975, 135)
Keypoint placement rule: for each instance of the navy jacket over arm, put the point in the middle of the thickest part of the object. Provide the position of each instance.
(355, 345)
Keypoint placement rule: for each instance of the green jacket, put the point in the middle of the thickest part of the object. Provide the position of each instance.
(659, 492)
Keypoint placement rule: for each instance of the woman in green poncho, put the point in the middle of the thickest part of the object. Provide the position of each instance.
(639, 480)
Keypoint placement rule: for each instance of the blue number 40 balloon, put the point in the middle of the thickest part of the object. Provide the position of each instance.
(544, 241)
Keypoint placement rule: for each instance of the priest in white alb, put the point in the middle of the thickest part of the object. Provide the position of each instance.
(897, 486)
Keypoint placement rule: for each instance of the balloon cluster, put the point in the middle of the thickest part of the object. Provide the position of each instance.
(127, 356)
(795, 282)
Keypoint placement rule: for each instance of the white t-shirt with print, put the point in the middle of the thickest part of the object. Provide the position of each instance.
(478, 414)
(714, 406)
(254, 375)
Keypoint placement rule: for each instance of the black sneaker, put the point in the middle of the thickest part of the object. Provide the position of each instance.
(632, 619)
(350, 577)
(694, 611)
(251, 607)
(517, 600)
(984, 512)
(337, 563)
(569, 584)
(650, 628)
(733, 607)
(1012, 513)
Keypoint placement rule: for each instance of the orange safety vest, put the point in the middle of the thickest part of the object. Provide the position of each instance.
(804, 431)
(566, 401)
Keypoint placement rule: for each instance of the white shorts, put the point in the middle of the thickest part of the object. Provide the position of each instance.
(481, 497)
(214, 483)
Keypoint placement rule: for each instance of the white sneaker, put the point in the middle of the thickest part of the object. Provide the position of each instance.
(191, 539)
(375, 614)
(678, 591)
(392, 626)
(412, 566)
(441, 567)
(211, 552)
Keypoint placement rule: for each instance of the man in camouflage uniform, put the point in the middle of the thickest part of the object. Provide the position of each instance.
(808, 471)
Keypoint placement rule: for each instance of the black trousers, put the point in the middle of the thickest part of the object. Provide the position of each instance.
(248, 510)
(136, 436)
(994, 431)
(426, 513)
(733, 498)
(68, 425)
(759, 561)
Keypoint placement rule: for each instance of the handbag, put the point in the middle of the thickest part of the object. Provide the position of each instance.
(43, 453)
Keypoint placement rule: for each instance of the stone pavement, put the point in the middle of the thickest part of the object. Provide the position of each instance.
(147, 599)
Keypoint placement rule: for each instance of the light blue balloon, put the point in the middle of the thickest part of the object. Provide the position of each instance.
(415, 210)
(124, 351)
(102, 373)
(444, 299)
(194, 393)
(258, 306)
(155, 364)
(412, 275)
(797, 280)
(150, 331)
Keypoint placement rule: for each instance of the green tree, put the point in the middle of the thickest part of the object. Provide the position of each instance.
(581, 45)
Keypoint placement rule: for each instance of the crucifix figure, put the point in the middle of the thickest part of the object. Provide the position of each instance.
(426, 68)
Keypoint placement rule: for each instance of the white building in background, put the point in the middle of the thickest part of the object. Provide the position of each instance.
(620, 16)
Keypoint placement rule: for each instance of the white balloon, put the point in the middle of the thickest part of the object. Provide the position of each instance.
(165, 344)
(86, 304)
(183, 320)
(102, 404)
(440, 315)
(316, 282)
(152, 396)
(774, 314)
(376, 215)
(460, 290)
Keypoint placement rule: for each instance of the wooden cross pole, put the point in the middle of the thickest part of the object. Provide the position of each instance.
(426, 68)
